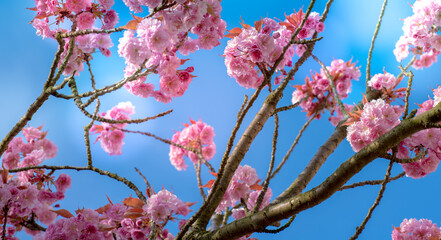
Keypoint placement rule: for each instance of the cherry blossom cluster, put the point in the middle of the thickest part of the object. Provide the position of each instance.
(161, 206)
(197, 136)
(427, 138)
(127, 221)
(386, 83)
(111, 135)
(33, 152)
(382, 80)
(84, 13)
(414, 229)
(421, 34)
(31, 202)
(377, 118)
(260, 46)
(27, 196)
(159, 38)
(317, 89)
(243, 185)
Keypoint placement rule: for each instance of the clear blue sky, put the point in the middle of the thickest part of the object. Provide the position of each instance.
(215, 98)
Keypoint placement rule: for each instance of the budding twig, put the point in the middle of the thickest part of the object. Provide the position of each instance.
(299, 135)
(376, 203)
(331, 82)
(371, 182)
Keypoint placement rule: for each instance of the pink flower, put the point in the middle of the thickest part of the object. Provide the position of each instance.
(416, 229)
(43, 28)
(162, 205)
(77, 5)
(63, 182)
(111, 137)
(159, 40)
(197, 136)
(85, 20)
(112, 142)
(49, 148)
(110, 19)
(106, 4)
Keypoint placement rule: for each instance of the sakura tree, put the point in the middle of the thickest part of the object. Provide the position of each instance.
(215, 181)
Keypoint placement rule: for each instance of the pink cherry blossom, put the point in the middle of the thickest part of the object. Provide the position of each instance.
(414, 229)
(198, 136)
(77, 5)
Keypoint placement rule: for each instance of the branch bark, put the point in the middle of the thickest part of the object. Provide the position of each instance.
(292, 205)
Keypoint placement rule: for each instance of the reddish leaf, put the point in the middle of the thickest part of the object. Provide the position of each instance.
(256, 187)
(33, 9)
(133, 24)
(213, 173)
(139, 19)
(103, 209)
(235, 30)
(133, 213)
(287, 25)
(258, 24)
(186, 124)
(79, 211)
(209, 184)
(63, 212)
(244, 25)
(189, 204)
(5, 174)
(148, 192)
(192, 121)
(184, 60)
(110, 201)
(231, 35)
(133, 202)
(105, 227)
(400, 89)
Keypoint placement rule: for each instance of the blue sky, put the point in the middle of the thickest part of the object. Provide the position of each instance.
(214, 98)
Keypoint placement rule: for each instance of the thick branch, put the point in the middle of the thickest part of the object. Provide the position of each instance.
(295, 204)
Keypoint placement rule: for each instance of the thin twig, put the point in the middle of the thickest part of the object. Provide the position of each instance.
(245, 100)
(153, 232)
(304, 41)
(78, 102)
(332, 84)
(144, 178)
(377, 201)
(418, 157)
(371, 49)
(51, 80)
(93, 169)
(87, 135)
(371, 182)
(5, 219)
(286, 108)
(274, 231)
(299, 135)
(409, 87)
(163, 140)
(211, 168)
(271, 166)
(206, 210)
(31, 224)
(197, 168)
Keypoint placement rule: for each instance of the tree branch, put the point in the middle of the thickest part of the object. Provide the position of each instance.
(376, 203)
